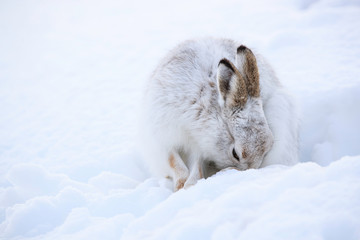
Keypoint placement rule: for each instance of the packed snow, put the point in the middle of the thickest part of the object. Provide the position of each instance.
(71, 77)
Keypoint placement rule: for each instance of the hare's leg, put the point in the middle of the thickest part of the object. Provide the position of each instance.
(196, 173)
(180, 171)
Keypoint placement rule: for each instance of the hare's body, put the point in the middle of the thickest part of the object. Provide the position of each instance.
(190, 118)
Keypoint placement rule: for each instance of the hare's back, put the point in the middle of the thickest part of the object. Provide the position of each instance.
(194, 60)
(188, 69)
(183, 87)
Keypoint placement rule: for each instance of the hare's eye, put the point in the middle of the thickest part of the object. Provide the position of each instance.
(235, 155)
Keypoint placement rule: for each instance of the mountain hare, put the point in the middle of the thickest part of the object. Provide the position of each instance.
(212, 102)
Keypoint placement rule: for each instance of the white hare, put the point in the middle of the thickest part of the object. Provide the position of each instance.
(212, 103)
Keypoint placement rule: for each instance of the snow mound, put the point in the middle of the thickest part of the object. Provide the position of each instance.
(302, 202)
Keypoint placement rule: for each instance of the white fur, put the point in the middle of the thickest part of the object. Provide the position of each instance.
(171, 122)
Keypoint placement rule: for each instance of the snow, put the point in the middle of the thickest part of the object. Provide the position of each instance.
(71, 76)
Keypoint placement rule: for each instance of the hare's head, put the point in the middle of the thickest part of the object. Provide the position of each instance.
(242, 111)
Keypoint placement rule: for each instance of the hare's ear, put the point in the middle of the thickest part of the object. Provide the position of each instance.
(246, 62)
(231, 84)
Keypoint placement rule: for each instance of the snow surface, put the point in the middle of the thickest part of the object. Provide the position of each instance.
(71, 75)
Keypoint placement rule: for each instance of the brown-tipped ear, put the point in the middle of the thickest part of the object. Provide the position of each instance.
(231, 84)
(246, 61)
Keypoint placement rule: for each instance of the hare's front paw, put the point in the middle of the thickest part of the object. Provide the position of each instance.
(195, 174)
(180, 171)
(189, 184)
(179, 184)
